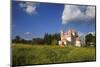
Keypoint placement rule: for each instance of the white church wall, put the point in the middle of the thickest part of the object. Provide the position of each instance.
(78, 44)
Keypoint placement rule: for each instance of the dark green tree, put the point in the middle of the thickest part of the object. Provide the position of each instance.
(17, 39)
(48, 38)
(55, 38)
(90, 39)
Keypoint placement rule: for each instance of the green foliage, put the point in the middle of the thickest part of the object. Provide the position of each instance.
(37, 41)
(90, 39)
(44, 54)
(17, 39)
(48, 39)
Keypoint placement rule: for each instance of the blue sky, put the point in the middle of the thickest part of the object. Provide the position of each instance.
(31, 19)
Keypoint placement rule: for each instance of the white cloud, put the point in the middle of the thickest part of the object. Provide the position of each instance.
(84, 34)
(28, 33)
(22, 5)
(90, 12)
(74, 12)
(93, 33)
(28, 7)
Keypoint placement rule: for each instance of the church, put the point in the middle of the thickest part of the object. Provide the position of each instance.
(70, 37)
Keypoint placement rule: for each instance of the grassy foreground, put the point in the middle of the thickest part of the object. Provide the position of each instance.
(44, 54)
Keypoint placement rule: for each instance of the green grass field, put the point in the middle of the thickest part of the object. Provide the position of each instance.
(44, 54)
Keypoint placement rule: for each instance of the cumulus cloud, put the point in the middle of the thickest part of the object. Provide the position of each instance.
(75, 12)
(28, 7)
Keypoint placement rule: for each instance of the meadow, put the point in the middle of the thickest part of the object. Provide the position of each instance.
(47, 54)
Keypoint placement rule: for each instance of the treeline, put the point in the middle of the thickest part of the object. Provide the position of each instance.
(47, 39)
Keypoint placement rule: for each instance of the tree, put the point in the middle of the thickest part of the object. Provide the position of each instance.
(55, 38)
(17, 39)
(51, 39)
(37, 41)
(90, 39)
(23, 41)
(48, 38)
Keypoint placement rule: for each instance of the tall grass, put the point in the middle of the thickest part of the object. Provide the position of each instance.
(44, 54)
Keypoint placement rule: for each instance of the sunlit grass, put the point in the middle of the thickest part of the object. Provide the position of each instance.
(44, 54)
